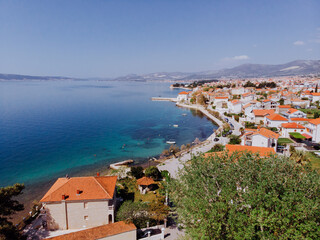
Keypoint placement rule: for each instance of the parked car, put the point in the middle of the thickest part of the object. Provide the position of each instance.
(226, 119)
(216, 139)
(144, 233)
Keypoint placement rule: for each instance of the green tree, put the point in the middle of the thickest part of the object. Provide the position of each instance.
(316, 115)
(153, 172)
(8, 207)
(135, 212)
(217, 148)
(136, 172)
(234, 139)
(158, 210)
(281, 101)
(243, 196)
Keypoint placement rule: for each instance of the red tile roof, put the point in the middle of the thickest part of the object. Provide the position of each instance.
(284, 106)
(267, 133)
(263, 151)
(183, 93)
(262, 112)
(276, 117)
(291, 110)
(81, 188)
(315, 121)
(99, 232)
(315, 94)
(292, 125)
(145, 181)
(300, 119)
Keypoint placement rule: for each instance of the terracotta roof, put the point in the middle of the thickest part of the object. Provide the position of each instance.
(235, 101)
(221, 97)
(262, 112)
(300, 119)
(247, 105)
(246, 94)
(276, 117)
(98, 232)
(292, 125)
(284, 106)
(291, 110)
(183, 93)
(250, 130)
(315, 121)
(263, 151)
(267, 133)
(266, 100)
(145, 181)
(89, 188)
(315, 94)
(306, 135)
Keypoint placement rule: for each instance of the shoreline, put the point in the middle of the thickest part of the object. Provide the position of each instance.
(34, 191)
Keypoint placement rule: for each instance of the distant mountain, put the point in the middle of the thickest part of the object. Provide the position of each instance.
(28, 77)
(299, 67)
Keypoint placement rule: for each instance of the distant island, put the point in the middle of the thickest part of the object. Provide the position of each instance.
(294, 68)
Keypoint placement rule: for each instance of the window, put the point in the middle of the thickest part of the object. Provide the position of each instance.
(85, 205)
(86, 218)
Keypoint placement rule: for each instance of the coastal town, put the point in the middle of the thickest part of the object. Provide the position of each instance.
(263, 117)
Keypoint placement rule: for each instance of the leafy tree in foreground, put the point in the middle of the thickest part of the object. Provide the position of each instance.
(135, 212)
(136, 172)
(8, 207)
(153, 172)
(242, 196)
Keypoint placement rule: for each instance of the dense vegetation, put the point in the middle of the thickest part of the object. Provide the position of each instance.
(8, 207)
(247, 197)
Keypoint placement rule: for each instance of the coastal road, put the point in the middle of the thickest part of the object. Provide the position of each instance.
(236, 126)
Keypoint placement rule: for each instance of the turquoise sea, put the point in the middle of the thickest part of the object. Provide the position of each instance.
(52, 128)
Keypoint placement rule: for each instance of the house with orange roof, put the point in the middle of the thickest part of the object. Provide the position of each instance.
(282, 108)
(260, 138)
(260, 114)
(80, 202)
(235, 106)
(247, 97)
(287, 128)
(269, 104)
(183, 96)
(221, 102)
(296, 102)
(231, 149)
(302, 121)
(275, 120)
(315, 97)
(113, 231)
(294, 113)
(313, 129)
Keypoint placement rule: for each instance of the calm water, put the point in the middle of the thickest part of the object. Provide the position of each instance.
(48, 129)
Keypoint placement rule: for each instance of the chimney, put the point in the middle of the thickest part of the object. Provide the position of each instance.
(98, 174)
(63, 197)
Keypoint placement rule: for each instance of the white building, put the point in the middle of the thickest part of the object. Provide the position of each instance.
(80, 202)
(294, 113)
(275, 120)
(183, 96)
(287, 128)
(315, 97)
(235, 106)
(313, 129)
(260, 138)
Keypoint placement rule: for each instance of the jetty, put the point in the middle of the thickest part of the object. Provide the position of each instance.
(164, 99)
(118, 165)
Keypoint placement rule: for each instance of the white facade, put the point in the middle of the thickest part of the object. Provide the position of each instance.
(285, 131)
(82, 214)
(182, 97)
(314, 131)
(273, 123)
(258, 140)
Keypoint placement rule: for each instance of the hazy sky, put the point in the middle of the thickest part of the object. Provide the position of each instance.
(110, 38)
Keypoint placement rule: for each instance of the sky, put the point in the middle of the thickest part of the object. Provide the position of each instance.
(111, 38)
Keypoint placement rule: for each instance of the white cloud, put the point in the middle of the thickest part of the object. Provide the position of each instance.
(298, 43)
(241, 57)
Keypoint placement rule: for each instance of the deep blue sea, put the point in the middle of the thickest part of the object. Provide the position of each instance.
(52, 128)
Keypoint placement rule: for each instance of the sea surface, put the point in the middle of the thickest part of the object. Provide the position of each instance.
(52, 128)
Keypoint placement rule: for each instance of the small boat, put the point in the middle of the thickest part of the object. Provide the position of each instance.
(184, 114)
(175, 125)
(171, 142)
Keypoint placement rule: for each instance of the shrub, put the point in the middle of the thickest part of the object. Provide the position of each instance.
(153, 172)
(136, 172)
